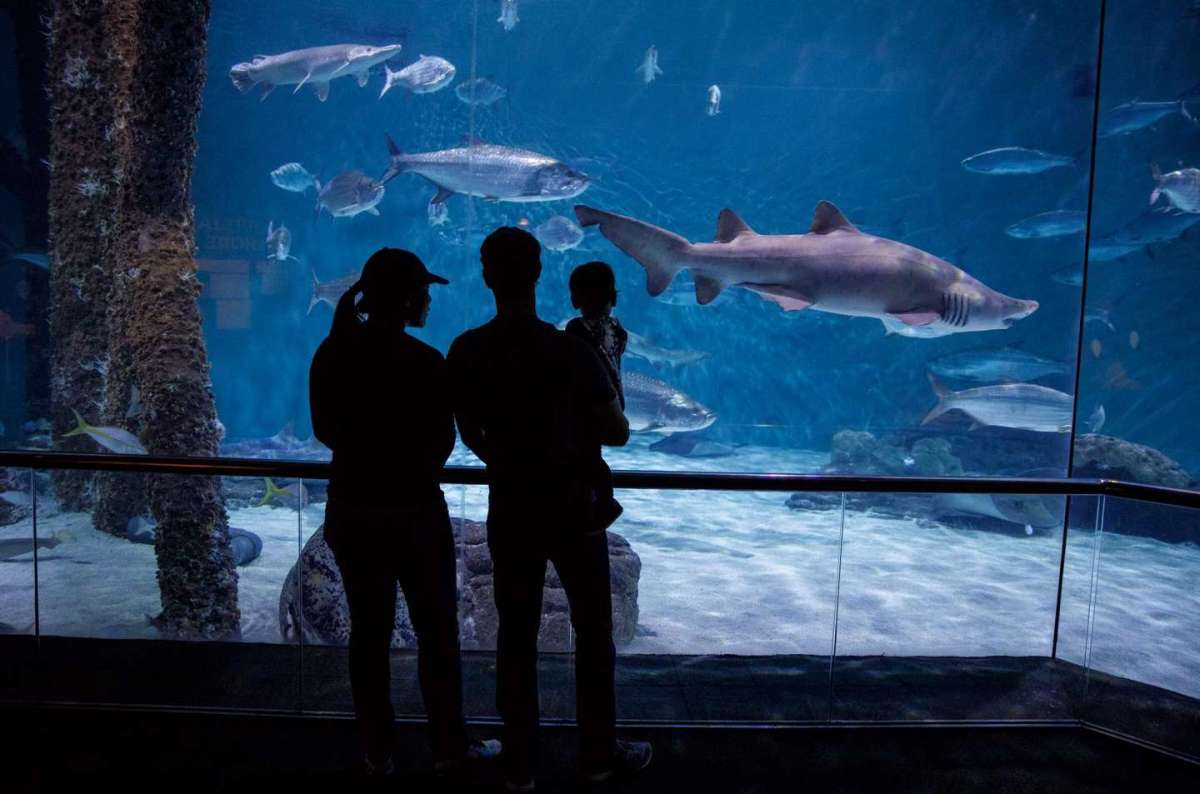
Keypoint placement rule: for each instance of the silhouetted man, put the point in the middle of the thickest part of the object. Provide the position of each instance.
(523, 394)
(379, 400)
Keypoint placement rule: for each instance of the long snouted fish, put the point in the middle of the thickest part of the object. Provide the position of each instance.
(1015, 160)
(1019, 405)
(314, 66)
(1133, 116)
(498, 173)
(833, 268)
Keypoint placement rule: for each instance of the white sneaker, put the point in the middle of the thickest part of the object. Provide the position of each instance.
(478, 752)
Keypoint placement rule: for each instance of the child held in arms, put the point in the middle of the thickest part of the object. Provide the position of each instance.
(594, 293)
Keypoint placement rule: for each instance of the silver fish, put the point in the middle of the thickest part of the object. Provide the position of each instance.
(315, 66)
(1133, 116)
(1182, 188)
(480, 91)
(1019, 405)
(1072, 275)
(349, 194)
(995, 365)
(1104, 250)
(1152, 226)
(114, 439)
(330, 291)
(648, 69)
(1015, 160)
(641, 347)
(833, 268)
(1056, 223)
(508, 14)
(558, 234)
(493, 172)
(293, 177)
(654, 406)
(713, 105)
(428, 74)
(279, 242)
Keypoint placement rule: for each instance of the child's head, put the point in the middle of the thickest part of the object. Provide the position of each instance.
(593, 288)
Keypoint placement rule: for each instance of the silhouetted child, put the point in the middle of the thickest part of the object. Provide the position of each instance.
(594, 294)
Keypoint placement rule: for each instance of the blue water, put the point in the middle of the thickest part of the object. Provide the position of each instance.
(871, 105)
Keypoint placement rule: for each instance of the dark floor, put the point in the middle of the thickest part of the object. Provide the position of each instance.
(98, 750)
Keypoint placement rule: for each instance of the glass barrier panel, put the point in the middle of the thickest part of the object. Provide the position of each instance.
(723, 604)
(1078, 589)
(20, 545)
(1143, 660)
(129, 615)
(946, 608)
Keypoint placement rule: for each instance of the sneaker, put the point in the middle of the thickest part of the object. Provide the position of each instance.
(628, 758)
(380, 769)
(478, 752)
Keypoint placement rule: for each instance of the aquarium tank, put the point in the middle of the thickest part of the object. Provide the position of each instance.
(868, 238)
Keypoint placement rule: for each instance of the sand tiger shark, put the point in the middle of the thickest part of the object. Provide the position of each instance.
(833, 268)
(315, 66)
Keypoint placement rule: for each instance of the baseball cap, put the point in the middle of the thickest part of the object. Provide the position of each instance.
(391, 273)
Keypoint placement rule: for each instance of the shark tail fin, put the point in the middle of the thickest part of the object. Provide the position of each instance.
(314, 300)
(81, 427)
(662, 253)
(1156, 174)
(943, 397)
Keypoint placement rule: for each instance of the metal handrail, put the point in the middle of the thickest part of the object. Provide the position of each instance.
(667, 480)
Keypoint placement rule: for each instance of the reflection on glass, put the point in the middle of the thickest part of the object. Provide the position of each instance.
(18, 549)
(971, 593)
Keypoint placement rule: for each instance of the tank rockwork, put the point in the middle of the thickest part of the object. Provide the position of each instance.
(82, 203)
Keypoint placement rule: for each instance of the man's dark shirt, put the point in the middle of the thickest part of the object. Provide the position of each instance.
(380, 401)
(530, 389)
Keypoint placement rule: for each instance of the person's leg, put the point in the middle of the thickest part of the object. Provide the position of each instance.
(582, 564)
(518, 573)
(369, 581)
(427, 577)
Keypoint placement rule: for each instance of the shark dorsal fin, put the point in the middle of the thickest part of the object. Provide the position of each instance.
(729, 226)
(828, 218)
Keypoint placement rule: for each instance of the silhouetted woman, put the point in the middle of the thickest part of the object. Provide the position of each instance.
(379, 401)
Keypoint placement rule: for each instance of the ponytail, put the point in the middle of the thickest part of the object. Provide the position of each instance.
(345, 316)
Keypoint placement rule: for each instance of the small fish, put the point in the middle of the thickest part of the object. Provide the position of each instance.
(1096, 419)
(293, 496)
(1152, 226)
(1133, 116)
(114, 439)
(641, 347)
(654, 406)
(1102, 250)
(1135, 340)
(1182, 188)
(714, 100)
(1097, 348)
(558, 234)
(649, 66)
(1057, 223)
(330, 291)
(1071, 275)
(428, 74)
(480, 91)
(508, 14)
(10, 328)
(293, 177)
(349, 194)
(438, 212)
(1099, 314)
(1023, 406)
(993, 365)
(279, 242)
(39, 259)
(1015, 160)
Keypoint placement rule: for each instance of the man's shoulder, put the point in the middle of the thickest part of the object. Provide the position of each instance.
(423, 351)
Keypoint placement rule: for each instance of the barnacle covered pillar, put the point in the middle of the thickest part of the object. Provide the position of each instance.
(81, 203)
(157, 341)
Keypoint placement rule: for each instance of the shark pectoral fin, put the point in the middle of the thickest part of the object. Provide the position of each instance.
(267, 89)
(729, 226)
(372, 211)
(441, 195)
(707, 289)
(361, 77)
(828, 218)
(916, 318)
(322, 90)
